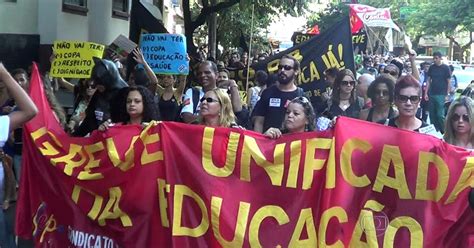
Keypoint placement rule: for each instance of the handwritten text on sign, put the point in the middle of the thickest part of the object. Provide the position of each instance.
(165, 53)
(73, 59)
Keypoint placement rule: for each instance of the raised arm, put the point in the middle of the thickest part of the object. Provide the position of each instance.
(138, 56)
(181, 85)
(26, 108)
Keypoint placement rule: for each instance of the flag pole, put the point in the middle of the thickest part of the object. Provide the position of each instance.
(250, 51)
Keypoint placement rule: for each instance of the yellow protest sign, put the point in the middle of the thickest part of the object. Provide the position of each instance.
(73, 59)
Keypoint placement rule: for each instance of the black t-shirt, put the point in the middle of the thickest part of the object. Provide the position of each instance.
(438, 75)
(317, 100)
(391, 123)
(272, 105)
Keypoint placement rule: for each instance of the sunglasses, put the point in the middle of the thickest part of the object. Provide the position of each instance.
(404, 99)
(301, 99)
(393, 73)
(347, 83)
(208, 99)
(286, 67)
(91, 86)
(381, 92)
(457, 117)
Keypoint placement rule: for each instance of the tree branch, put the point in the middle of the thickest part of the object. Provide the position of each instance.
(205, 12)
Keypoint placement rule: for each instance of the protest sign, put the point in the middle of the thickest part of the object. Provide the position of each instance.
(364, 186)
(122, 46)
(299, 37)
(73, 59)
(166, 53)
(332, 48)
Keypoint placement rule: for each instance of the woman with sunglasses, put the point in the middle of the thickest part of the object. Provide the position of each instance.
(407, 98)
(299, 117)
(458, 124)
(344, 100)
(85, 91)
(216, 109)
(381, 94)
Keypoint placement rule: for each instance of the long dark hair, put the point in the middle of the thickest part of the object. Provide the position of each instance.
(382, 79)
(337, 86)
(150, 108)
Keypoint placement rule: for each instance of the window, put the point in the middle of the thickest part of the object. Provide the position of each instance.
(75, 6)
(120, 9)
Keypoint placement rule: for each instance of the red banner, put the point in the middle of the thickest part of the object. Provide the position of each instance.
(177, 185)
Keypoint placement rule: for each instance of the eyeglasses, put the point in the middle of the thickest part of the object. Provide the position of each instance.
(286, 67)
(347, 83)
(381, 92)
(393, 73)
(404, 99)
(457, 117)
(208, 100)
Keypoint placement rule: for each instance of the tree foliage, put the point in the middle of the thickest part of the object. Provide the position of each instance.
(332, 14)
(234, 17)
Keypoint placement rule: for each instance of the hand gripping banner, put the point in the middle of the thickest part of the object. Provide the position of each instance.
(177, 185)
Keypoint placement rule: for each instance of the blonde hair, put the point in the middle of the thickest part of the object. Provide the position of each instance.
(226, 113)
(449, 135)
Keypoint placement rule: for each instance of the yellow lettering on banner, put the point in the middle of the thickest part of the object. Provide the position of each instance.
(67, 159)
(327, 215)
(208, 162)
(49, 227)
(422, 191)
(466, 180)
(93, 163)
(366, 225)
(274, 170)
(112, 209)
(264, 212)
(128, 163)
(272, 66)
(297, 55)
(415, 229)
(47, 149)
(240, 225)
(302, 78)
(346, 164)
(163, 203)
(96, 206)
(331, 166)
(304, 220)
(312, 164)
(314, 71)
(295, 153)
(147, 157)
(391, 154)
(180, 191)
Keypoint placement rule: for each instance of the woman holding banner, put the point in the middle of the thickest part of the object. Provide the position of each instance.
(344, 100)
(407, 98)
(216, 109)
(380, 92)
(459, 122)
(299, 117)
(140, 108)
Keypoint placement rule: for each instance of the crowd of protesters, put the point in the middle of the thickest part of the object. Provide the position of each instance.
(385, 90)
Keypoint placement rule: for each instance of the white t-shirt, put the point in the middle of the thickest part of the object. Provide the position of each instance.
(4, 132)
(188, 102)
(4, 129)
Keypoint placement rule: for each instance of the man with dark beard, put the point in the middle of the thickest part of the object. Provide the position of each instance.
(270, 109)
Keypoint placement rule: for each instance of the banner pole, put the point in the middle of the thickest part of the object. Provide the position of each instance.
(250, 51)
(368, 38)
